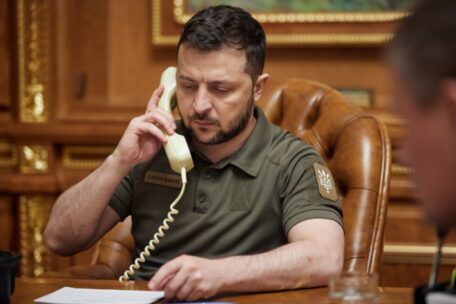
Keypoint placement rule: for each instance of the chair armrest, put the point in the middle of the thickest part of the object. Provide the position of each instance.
(97, 271)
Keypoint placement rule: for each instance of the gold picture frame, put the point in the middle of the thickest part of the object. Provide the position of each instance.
(181, 16)
(290, 29)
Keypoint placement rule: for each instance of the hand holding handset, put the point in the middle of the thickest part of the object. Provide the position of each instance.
(180, 160)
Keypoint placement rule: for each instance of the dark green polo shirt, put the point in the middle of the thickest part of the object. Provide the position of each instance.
(245, 204)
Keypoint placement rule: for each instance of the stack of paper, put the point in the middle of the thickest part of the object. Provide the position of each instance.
(68, 295)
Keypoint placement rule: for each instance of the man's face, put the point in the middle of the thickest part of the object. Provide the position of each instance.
(214, 93)
(429, 147)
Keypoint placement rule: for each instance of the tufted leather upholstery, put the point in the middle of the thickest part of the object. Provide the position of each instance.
(356, 148)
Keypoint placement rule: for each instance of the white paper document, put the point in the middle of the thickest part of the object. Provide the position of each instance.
(68, 295)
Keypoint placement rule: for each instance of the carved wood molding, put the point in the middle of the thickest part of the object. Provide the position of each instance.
(33, 49)
(397, 169)
(416, 254)
(33, 216)
(85, 157)
(34, 159)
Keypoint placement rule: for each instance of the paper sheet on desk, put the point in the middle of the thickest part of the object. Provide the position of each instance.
(68, 295)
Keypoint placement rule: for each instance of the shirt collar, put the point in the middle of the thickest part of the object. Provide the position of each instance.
(250, 157)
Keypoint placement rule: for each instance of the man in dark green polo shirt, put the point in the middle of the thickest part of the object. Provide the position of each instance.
(260, 212)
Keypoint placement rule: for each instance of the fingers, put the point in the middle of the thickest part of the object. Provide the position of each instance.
(148, 128)
(156, 115)
(162, 276)
(177, 287)
(167, 115)
(165, 281)
(153, 100)
(195, 295)
(189, 289)
(181, 279)
(161, 118)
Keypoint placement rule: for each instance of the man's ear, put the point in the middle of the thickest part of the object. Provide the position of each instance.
(259, 85)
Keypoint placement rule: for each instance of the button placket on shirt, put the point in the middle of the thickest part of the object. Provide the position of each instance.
(202, 203)
(202, 197)
(207, 174)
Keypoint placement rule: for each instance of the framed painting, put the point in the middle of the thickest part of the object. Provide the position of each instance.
(295, 22)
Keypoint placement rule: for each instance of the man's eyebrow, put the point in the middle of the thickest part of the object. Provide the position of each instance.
(222, 82)
(215, 82)
(187, 78)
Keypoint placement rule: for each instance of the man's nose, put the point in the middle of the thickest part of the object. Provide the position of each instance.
(202, 101)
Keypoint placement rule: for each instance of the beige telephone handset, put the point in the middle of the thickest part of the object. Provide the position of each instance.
(180, 160)
(176, 148)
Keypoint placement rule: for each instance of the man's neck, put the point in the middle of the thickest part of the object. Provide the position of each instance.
(216, 153)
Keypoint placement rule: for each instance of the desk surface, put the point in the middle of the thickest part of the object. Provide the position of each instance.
(29, 289)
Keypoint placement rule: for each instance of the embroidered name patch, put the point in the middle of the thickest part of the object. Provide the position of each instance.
(325, 182)
(163, 179)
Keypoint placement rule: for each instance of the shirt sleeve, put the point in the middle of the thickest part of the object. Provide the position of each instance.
(122, 197)
(301, 196)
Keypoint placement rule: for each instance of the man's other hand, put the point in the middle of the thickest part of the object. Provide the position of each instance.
(189, 278)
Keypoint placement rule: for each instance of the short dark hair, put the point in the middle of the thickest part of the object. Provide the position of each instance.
(424, 48)
(224, 25)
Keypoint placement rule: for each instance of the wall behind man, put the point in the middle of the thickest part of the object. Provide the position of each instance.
(110, 44)
(7, 210)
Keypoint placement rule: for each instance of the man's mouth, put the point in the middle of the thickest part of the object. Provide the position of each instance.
(203, 123)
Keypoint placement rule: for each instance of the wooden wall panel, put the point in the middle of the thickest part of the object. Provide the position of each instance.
(412, 274)
(8, 157)
(83, 51)
(337, 67)
(8, 219)
(124, 76)
(5, 55)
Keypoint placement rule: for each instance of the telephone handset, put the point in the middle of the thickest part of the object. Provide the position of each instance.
(176, 148)
(180, 160)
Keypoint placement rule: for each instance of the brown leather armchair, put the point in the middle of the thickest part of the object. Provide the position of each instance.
(356, 148)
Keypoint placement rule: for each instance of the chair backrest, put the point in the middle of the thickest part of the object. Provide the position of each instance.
(356, 148)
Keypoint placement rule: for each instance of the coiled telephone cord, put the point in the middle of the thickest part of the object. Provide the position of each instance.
(159, 234)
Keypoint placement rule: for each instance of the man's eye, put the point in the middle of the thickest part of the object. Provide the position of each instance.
(221, 90)
(188, 86)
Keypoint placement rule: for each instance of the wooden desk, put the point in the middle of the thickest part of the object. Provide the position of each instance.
(29, 289)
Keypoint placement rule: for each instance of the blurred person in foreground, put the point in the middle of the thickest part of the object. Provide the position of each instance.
(422, 58)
